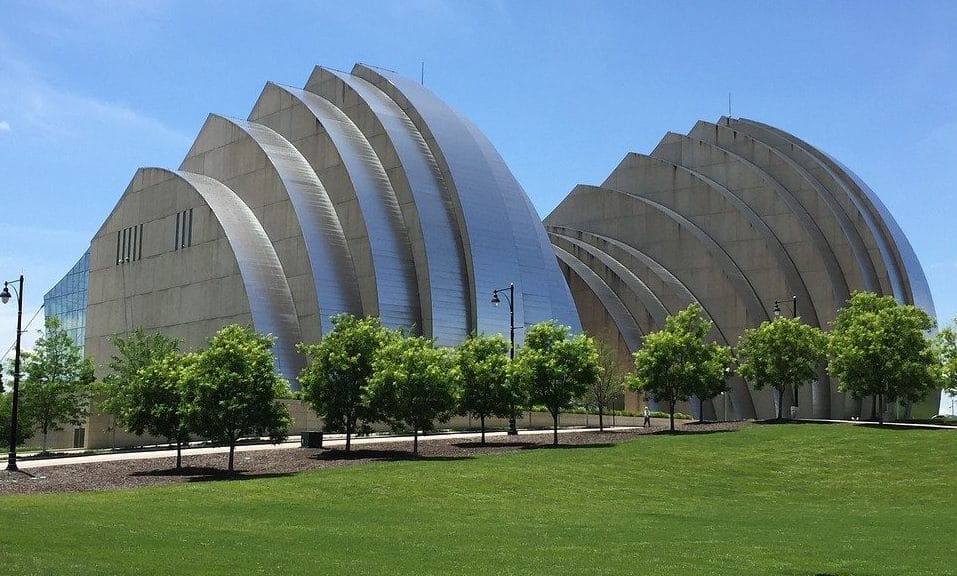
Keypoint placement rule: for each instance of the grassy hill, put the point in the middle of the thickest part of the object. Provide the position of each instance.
(783, 499)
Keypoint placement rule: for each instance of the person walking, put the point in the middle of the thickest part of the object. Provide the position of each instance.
(647, 421)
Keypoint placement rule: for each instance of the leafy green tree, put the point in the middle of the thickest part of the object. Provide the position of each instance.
(158, 401)
(555, 367)
(780, 353)
(675, 363)
(946, 343)
(487, 389)
(608, 386)
(24, 427)
(231, 389)
(126, 397)
(879, 348)
(58, 384)
(335, 380)
(413, 384)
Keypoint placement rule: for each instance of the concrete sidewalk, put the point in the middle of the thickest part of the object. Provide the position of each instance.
(329, 440)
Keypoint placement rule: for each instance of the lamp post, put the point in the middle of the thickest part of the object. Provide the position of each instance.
(509, 294)
(5, 297)
(794, 314)
(794, 307)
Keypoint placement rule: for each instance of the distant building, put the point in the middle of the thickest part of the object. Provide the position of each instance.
(364, 193)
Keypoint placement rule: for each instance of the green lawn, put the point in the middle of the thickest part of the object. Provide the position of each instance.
(787, 499)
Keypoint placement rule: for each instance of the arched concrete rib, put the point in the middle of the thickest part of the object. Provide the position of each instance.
(738, 182)
(649, 313)
(817, 395)
(492, 206)
(751, 404)
(368, 185)
(630, 332)
(885, 239)
(669, 290)
(333, 271)
(915, 282)
(870, 232)
(859, 271)
(645, 164)
(742, 402)
(417, 182)
(270, 300)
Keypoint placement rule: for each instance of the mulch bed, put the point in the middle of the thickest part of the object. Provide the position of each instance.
(118, 474)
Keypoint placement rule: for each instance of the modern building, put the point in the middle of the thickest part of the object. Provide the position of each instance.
(363, 192)
(746, 220)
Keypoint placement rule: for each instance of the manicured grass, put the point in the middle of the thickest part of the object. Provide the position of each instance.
(786, 499)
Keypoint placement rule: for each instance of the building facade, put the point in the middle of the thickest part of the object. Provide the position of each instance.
(364, 193)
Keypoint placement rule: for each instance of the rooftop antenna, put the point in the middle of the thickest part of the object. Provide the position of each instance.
(422, 74)
(729, 109)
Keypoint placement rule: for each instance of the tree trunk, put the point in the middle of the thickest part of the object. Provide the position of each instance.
(601, 425)
(179, 455)
(349, 436)
(880, 408)
(44, 441)
(555, 429)
(482, 419)
(873, 407)
(232, 448)
(671, 409)
(415, 443)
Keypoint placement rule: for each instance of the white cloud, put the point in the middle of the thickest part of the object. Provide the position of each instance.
(4, 126)
(42, 109)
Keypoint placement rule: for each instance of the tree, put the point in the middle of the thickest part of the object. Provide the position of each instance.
(24, 427)
(675, 363)
(946, 344)
(483, 368)
(555, 367)
(335, 380)
(232, 388)
(413, 384)
(158, 401)
(879, 348)
(128, 398)
(58, 384)
(780, 353)
(608, 386)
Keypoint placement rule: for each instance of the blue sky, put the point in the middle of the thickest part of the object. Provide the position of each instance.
(91, 90)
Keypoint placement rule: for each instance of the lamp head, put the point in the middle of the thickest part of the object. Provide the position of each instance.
(777, 308)
(5, 295)
(495, 300)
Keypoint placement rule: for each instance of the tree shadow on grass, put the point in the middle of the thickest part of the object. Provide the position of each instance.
(568, 446)
(378, 455)
(208, 473)
(467, 445)
(684, 432)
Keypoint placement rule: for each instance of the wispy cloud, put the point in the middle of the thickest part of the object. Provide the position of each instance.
(43, 109)
(4, 126)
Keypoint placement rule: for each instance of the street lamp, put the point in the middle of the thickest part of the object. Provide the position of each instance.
(794, 307)
(5, 297)
(509, 295)
(794, 314)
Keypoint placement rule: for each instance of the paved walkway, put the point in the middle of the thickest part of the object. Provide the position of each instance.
(329, 440)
